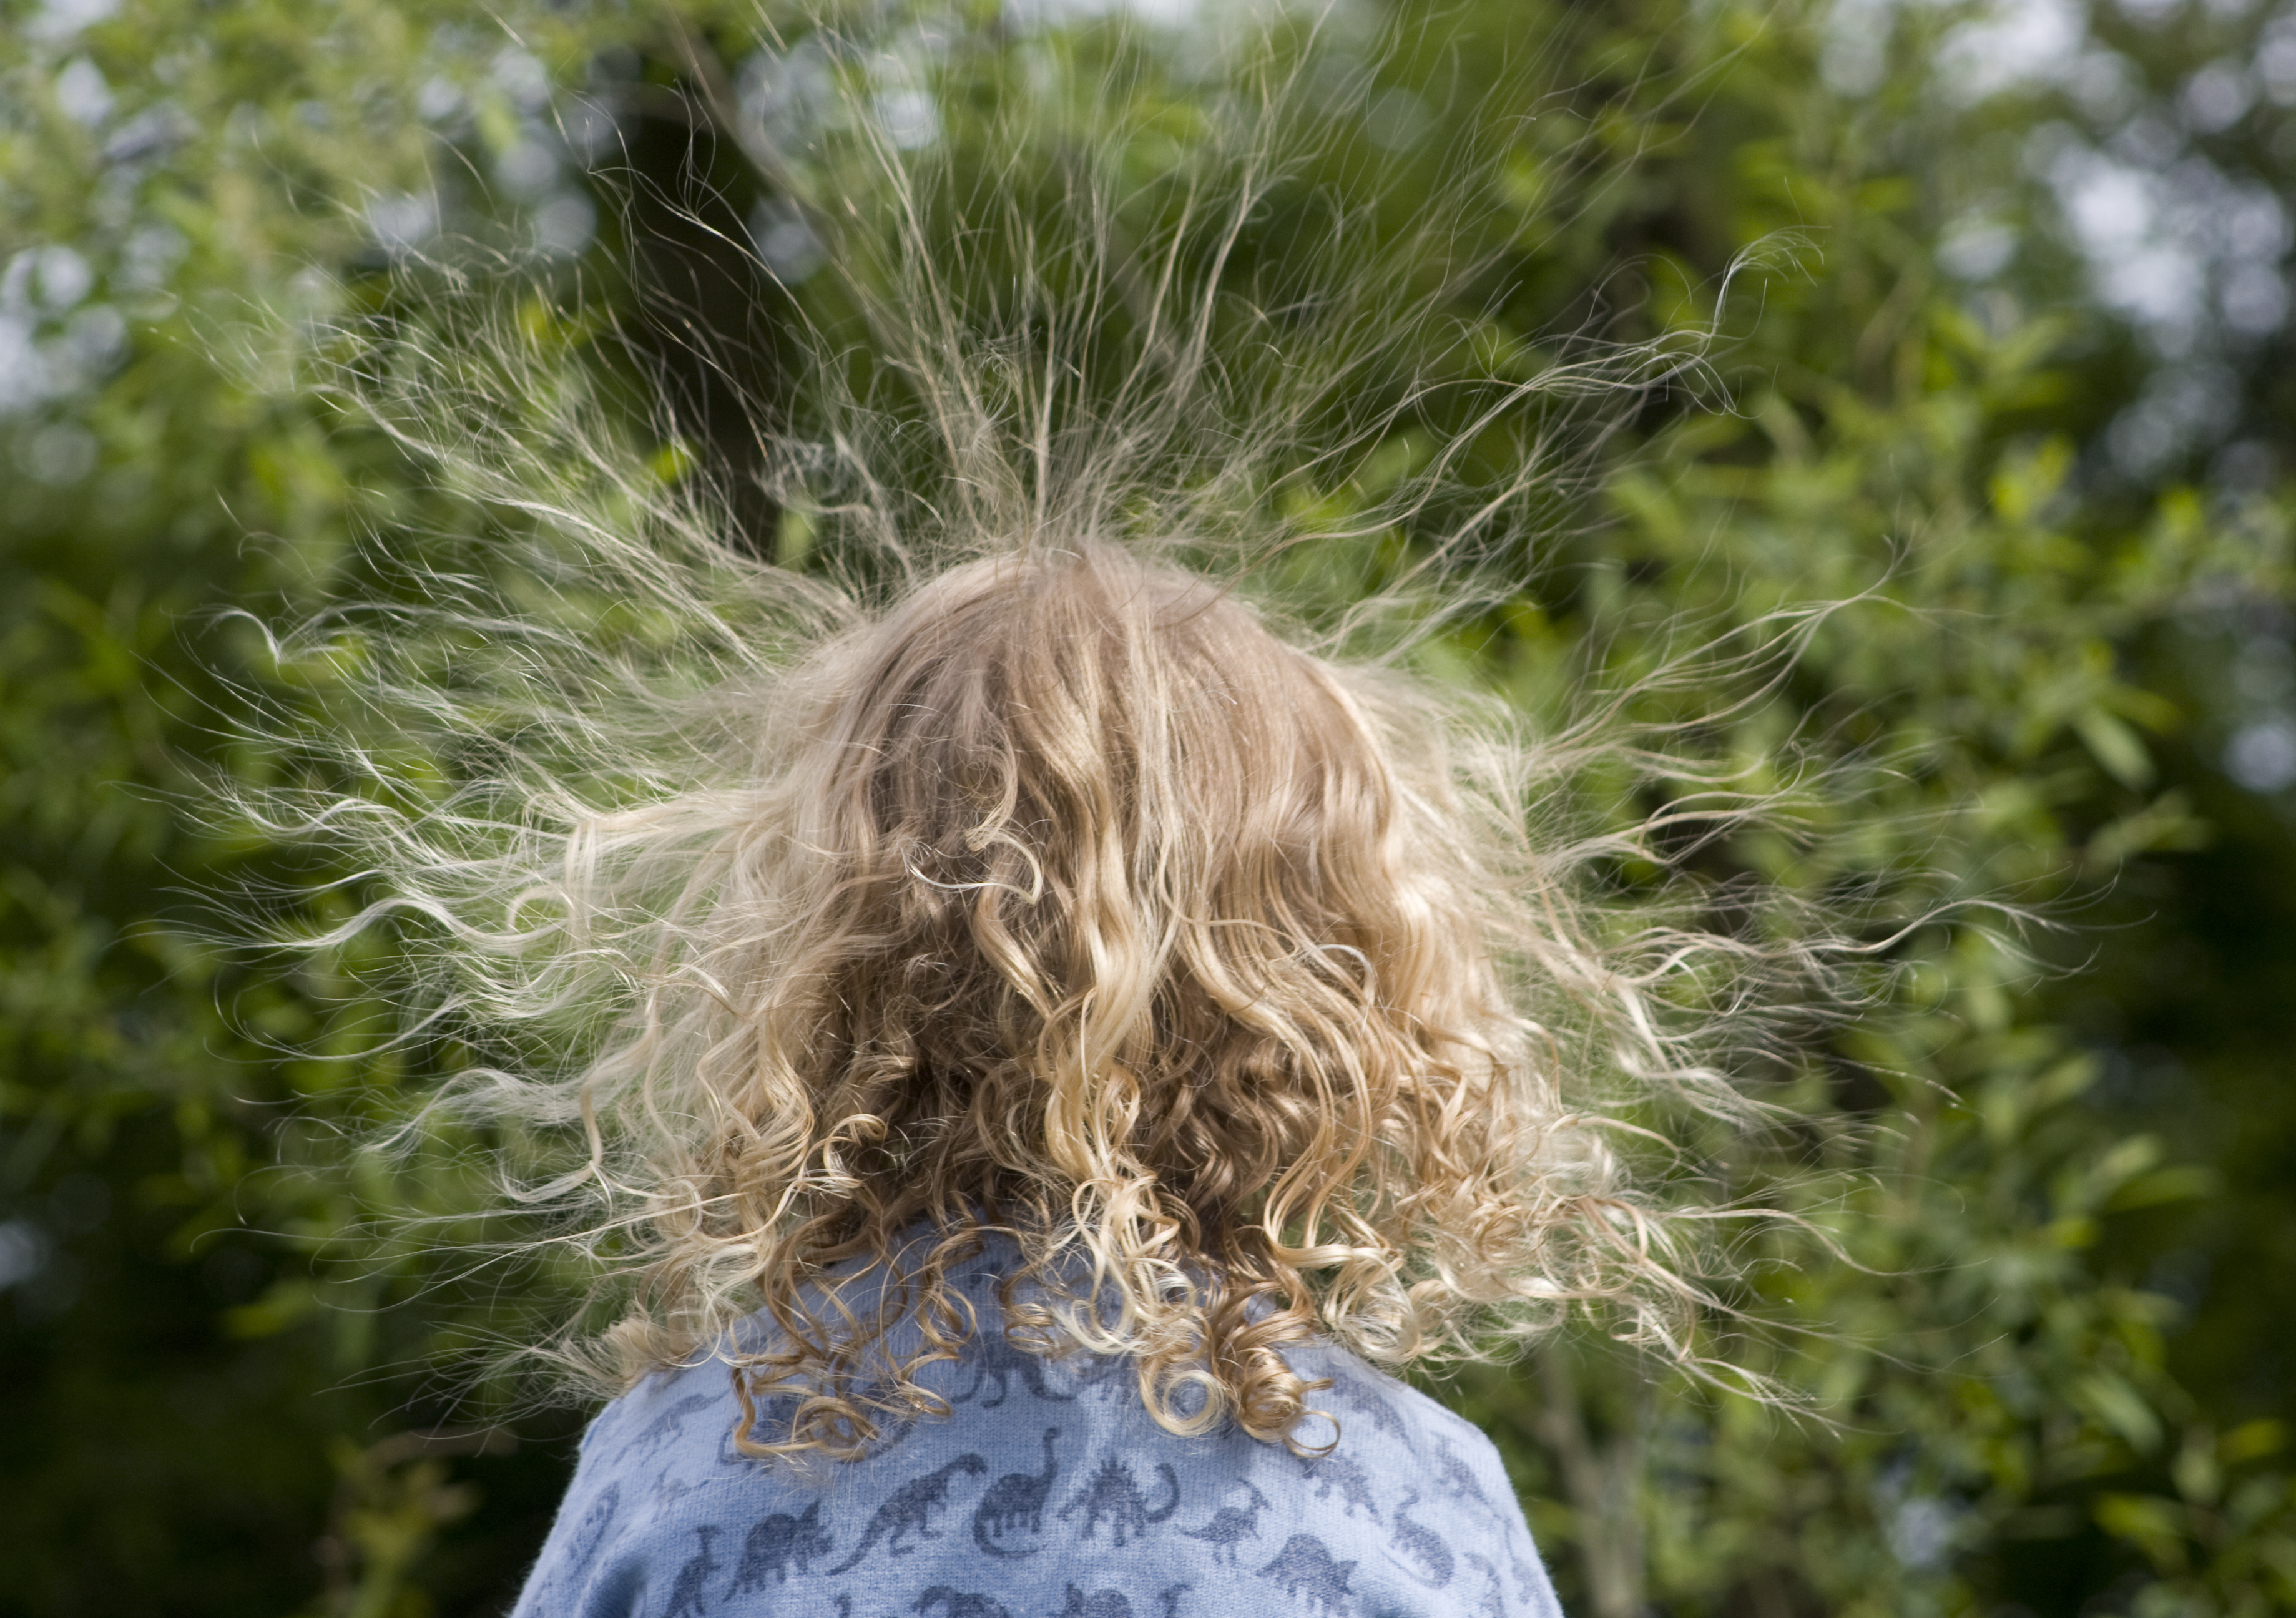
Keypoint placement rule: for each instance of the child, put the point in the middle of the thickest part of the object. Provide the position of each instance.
(1095, 1051)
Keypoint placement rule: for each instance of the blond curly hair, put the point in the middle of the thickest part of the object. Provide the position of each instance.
(1083, 908)
(1059, 848)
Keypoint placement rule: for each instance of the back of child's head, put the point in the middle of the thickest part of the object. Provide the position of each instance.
(783, 932)
(1078, 906)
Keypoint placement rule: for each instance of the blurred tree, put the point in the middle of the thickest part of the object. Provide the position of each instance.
(2016, 368)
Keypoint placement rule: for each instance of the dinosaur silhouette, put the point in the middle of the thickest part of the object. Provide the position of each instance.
(1304, 1567)
(1113, 1494)
(908, 1510)
(583, 1542)
(957, 1603)
(994, 1357)
(1523, 1576)
(1458, 1477)
(670, 1425)
(777, 1541)
(694, 1578)
(590, 1532)
(1360, 1396)
(1425, 1553)
(1012, 1500)
(1492, 1604)
(1230, 1527)
(1336, 1470)
(1112, 1603)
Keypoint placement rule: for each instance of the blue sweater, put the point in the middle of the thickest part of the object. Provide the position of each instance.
(1046, 1494)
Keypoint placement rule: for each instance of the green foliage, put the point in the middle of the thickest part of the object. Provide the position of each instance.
(2047, 638)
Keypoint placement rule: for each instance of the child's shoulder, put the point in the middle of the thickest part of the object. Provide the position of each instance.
(657, 1410)
(1045, 1484)
(1412, 1431)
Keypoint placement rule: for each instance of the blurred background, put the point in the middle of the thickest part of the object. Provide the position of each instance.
(2012, 355)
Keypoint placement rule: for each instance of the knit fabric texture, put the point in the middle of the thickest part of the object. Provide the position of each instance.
(1047, 1493)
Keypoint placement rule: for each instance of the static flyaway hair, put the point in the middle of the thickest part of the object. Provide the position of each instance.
(1062, 824)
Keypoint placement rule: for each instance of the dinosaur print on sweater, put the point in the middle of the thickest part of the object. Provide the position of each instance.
(670, 1426)
(1358, 1394)
(1116, 1604)
(1305, 1571)
(1016, 1500)
(908, 1510)
(1230, 1526)
(590, 1532)
(1114, 1497)
(1003, 1502)
(778, 1542)
(1422, 1550)
(1336, 1473)
(693, 1579)
(997, 1358)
